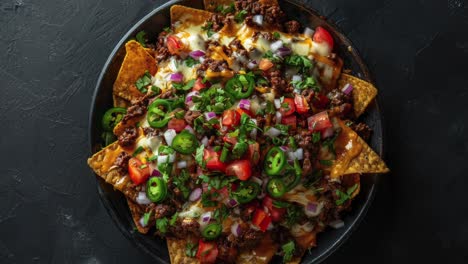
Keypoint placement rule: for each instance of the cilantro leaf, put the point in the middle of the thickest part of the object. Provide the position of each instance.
(191, 249)
(316, 136)
(302, 62)
(146, 218)
(308, 83)
(174, 219)
(272, 57)
(161, 224)
(240, 16)
(141, 38)
(276, 35)
(288, 250)
(184, 87)
(167, 29)
(326, 162)
(199, 156)
(209, 29)
(190, 62)
(352, 189)
(142, 83)
(137, 151)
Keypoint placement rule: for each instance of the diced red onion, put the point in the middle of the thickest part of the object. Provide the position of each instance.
(308, 32)
(276, 45)
(258, 19)
(284, 148)
(196, 54)
(204, 141)
(163, 159)
(328, 132)
(142, 199)
(311, 207)
(232, 203)
(278, 117)
(156, 173)
(189, 129)
(273, 132)
(206, 217)
(336, 224)
(277, 103)
(195, 195)
(235, 229)
(299, 153)
(296, 78)
(189, 99)
(244, 104)
(283, 51)
(252, 64)
(257, 180)
(210, 115)
(177, 77)
(182, 164)
(347, 89)
(169, 135)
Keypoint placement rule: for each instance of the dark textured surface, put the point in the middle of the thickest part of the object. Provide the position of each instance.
(54, 50)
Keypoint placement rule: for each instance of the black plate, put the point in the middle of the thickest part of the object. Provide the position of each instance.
(153, 23)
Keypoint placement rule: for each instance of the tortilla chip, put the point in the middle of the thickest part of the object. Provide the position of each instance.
(137, 213)
(136, 62)
(211, 5)
(363, 92)
(188, 16)
(120, 102)
(358, 158)
(103, 165)
(176, 248)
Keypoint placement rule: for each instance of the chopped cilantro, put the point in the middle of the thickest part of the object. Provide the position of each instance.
(326, 162)
(155, 89)
(165, 150)
(142, 83)
(161, 224)
(184, 87)
(146, 218)
(137, 151)
(349, 123)
(167, 29)
(221, 213)
(314, 178)
(288, 250)
(199, 156)
(240, 16)
(209, 29)
(276, 35)
(272, 57)
(207, 200)
(180, 181)
(270, 108)
(191, 249)
(292, 143)
(280, 204)
(302, 62)
(330, 143)
(316, 136)
(308, 83)
(141, 38)
(283, 128)
(153, 158)
(239, 149)
(190, 62)
(143, 166)
(174, 219)
(345, 196)
(293, 214)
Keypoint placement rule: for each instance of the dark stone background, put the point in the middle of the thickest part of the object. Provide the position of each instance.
(51, 55)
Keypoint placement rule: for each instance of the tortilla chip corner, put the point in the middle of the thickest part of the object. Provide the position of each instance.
(363, 92)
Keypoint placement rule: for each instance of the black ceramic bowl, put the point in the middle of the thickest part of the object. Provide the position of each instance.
(153, 23)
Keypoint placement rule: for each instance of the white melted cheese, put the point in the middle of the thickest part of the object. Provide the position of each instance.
(320, 48)
(193, 211)
(301, 230)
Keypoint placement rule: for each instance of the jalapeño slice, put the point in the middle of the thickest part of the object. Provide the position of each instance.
(156, 189)
(185, 142)
(112, 117)
(157, 113)
(212, 231)
(240, 86)
(276, 187)
(275, 161)
(246, 192)
(294, 176)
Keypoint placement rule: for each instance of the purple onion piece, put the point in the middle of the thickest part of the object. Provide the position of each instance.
(210, 115)
(156, 173)
(283, 51)
(244, 104)
(196, 54)
(312, 207)
(195, 195)
(177, 77)
(347, 89)
(232, 202)
(252, 64)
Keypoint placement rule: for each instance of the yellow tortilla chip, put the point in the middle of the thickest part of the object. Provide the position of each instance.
(363, 92)
(137, 213)
(176, 248)
(262, 254)
(136, 62)
(120, 102)
(188, 16)
(357, 156)
(211, 5)
(103, 165)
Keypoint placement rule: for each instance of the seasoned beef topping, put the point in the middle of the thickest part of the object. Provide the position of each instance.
(190, 116)
(136, 110)
(122, 161)
(128, 137)
(163, 210)
(363, 130)
(292, 27)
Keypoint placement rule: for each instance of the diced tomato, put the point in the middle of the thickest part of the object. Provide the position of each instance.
(244, 111)
(212, 160)
(287, 107)
(231, 118)
(261, 219)
(207, 251)
(320, 101)
(322, 35)
(230, 140)
(275, 212)
(302, 106)
(265, 64)
(199, 85)
(242, 169)
(174, 45)
(253, 153)
(289, 121)
(319, 122)
(177, 124)
(138, 171)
